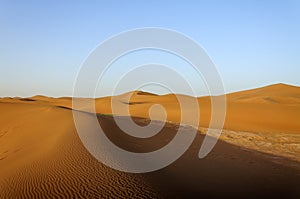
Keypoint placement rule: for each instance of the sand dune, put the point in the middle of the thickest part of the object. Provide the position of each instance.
(42, 155)
(274, 108)
(252, 117)
(276, 93)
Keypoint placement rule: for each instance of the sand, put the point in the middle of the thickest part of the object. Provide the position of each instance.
(264, 119)
(41, 154)
(274, 108)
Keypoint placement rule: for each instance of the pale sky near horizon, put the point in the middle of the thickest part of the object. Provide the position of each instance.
(44, 43)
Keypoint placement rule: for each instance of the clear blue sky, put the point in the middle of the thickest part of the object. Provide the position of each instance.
(42, 44)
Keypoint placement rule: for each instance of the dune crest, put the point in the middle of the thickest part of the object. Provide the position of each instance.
(254, 118)
(41, 155)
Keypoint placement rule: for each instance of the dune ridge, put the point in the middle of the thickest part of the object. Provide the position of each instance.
(264, 119)
(42, 156)
(274, 108)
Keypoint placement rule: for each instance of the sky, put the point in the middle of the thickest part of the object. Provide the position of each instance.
(44, 43)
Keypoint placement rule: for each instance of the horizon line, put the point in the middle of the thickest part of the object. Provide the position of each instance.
(153, 93)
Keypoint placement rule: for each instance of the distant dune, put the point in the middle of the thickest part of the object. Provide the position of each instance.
(274, 108)
(276, 93)
(257, 156)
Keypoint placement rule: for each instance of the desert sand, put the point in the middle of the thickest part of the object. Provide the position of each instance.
(257, 156)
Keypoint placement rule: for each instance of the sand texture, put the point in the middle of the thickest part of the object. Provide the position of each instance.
(41, 155)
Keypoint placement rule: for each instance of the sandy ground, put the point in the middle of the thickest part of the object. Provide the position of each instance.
(264, 119)
(42, 156)
(257, 156)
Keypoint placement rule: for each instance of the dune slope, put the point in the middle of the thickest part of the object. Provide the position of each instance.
(42, 156)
